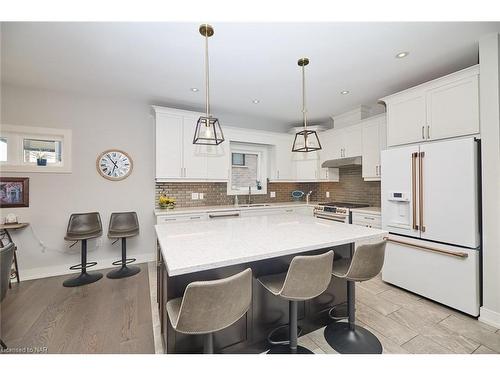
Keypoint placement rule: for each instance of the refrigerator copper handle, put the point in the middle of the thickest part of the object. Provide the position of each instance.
(414, 190)
(421, 190)
(457, 254)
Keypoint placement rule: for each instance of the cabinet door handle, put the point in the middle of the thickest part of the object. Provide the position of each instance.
(376, 170)
(278, 175)
(379, 170)
(428, 132)
(423, 130)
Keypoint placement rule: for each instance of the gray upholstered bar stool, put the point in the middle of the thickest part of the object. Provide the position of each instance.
(6, 257)
(347, 337)
(123, 225)
(307, 277)
(210, 306)
(82, 227)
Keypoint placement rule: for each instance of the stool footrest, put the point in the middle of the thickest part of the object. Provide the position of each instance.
(127, 261)
(80, 266)
(334, 309)
(284, 340)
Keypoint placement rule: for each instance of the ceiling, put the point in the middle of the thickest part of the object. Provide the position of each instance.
(160, 62)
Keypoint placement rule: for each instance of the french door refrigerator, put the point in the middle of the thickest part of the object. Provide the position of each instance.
(430, 207)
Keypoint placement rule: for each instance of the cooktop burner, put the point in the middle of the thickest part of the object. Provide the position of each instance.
(344, 204)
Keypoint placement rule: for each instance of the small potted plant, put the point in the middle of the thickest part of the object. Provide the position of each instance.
(166, 202)
(41, 159)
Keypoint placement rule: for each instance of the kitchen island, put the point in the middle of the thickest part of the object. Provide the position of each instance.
(219, 248)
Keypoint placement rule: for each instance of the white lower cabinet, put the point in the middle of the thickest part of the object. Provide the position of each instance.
(367, 220)
(163, 219)
(444, 273)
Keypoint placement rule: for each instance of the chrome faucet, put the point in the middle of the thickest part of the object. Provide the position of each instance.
(307, 197)
(249, 195)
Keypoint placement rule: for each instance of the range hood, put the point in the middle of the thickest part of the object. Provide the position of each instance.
(340, 163)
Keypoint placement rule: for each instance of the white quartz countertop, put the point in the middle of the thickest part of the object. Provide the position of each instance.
(202, 209)
(188, 247)
(367, 210)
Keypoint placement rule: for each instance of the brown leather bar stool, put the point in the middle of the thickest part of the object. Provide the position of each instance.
(6, 257)
(307, 277)
(82, 227)
(347, 337)
(210, 306)
(123, 225)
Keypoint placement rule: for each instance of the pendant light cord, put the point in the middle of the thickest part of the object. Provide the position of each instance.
(304, 110)
(207, 77)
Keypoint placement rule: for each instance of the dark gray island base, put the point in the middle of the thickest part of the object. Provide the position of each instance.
(249, 334)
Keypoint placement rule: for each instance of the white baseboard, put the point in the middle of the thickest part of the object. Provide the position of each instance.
(489, 317)
(42, 272)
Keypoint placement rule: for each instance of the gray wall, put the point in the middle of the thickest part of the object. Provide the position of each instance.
(97, 124)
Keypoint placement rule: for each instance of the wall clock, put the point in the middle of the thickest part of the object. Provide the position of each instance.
(114, 164)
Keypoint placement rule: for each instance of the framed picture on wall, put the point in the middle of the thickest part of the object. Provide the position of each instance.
(14, 192)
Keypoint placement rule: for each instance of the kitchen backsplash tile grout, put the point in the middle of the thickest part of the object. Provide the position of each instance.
(350, 188)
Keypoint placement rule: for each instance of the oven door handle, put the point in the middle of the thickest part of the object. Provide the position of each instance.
(338, 218)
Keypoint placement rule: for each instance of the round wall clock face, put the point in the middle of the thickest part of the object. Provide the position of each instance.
(114, 164)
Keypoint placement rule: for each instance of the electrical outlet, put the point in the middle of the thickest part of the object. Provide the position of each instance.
(273, 194)
(195, 196)
(328, 194)
(202, 195)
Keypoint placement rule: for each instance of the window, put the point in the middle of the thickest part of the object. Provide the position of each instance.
(248, 169)
(238, 159)
(34, 149)
(22, 147)
(3, 149)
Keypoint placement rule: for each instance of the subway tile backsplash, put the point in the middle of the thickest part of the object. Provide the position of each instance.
(350, 188)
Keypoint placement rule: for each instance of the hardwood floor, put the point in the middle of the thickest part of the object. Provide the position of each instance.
(407, 323)
(109, 316)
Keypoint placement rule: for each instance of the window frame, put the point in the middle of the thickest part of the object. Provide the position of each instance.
(261, 151)
(16, 134)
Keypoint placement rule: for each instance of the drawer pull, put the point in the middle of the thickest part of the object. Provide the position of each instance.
(226, 215)
(369, 218)
(195, 217)
(457, 254)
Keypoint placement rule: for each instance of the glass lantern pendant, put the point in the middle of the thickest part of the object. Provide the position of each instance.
(208, 130)
(305, 140)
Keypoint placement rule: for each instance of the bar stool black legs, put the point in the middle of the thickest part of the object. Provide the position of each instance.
(293, 347)
(347, 337)
(2, 344)
(123, 225)
(84, 277)
(124, 270)
(82, 227)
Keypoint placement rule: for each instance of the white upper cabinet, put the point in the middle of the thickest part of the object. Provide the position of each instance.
(444, 108)
(406, 119)
(177, 158)
(169, 146)
(351, 141)
(373, 133)
(306, 166)
(282, 162)
(453, 108)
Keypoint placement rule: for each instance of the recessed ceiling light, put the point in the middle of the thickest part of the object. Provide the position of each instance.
(255, 101)
(344, 92)
(400, 55)
(194, 89)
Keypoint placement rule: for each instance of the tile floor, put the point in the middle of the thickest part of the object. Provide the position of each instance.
(407, 323)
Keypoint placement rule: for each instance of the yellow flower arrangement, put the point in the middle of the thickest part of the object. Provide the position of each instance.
(166, 202)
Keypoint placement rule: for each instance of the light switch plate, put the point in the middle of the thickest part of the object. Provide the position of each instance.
(202, 195)
(273, 194)
(194, 196)
(328, 194)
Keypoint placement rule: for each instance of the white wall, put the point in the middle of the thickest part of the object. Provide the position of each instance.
(97, 124)
(489, 59)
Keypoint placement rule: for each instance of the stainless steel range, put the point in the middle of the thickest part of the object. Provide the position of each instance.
(336, 211)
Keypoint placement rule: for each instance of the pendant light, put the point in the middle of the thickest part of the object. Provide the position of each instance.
(208, 130)
(305, 140)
